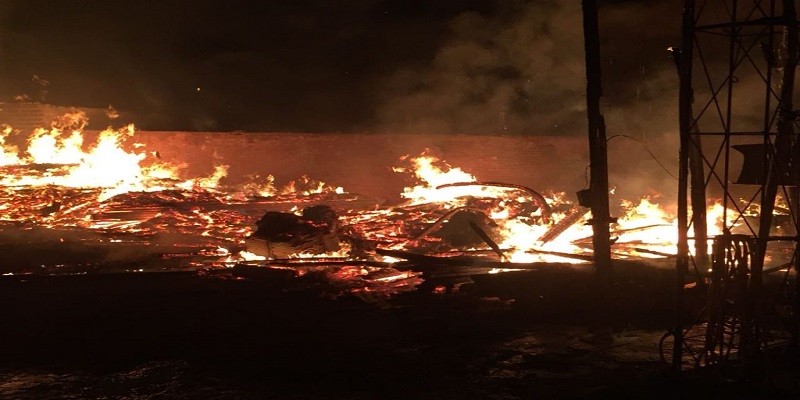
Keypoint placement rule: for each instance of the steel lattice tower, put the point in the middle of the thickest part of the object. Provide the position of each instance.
(736, 64)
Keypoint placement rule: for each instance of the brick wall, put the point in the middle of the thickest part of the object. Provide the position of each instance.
(25, 117)
(361, 163)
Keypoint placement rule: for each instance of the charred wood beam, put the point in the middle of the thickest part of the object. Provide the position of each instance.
(431, 261)
(322, 262)
(486, 239)
(581, 257)
(648, 251)
(438, 224)
(559, 228)
(474, 261)
(622, 231)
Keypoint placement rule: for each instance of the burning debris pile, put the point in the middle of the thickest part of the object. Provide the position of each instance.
(107, 189)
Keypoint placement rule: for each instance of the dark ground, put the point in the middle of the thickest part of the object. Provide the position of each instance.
(533, 335)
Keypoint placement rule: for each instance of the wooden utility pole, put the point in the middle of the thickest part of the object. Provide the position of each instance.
(697, 172)
(685, 122)
(598, 154)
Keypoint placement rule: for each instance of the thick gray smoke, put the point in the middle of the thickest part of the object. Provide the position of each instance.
(521, 71)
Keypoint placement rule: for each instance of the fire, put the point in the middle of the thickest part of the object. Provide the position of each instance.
(208, 183)
(51, 147)
(8, 154)
(431, 176)
(643, 229)
(307, 186)
(108, 184)
(105, 164)
(647, 225)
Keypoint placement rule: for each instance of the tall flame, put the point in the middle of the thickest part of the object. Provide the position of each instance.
(644, 227)
(106, 164)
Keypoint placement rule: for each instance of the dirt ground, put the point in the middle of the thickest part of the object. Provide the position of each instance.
(546, 334)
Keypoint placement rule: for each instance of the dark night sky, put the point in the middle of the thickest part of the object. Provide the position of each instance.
(453, 66)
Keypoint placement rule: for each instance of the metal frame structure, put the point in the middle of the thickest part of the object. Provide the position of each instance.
(736, 64)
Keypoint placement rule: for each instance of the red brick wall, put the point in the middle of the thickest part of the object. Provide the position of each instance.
(27, 116)
(361, 163)
(24, 116)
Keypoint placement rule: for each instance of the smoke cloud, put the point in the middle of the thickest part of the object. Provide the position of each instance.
(521, 71)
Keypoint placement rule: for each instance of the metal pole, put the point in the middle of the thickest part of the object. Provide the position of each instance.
(698, 200)
(776, 176)
(697, 177)
(598, 154)
(685, 120)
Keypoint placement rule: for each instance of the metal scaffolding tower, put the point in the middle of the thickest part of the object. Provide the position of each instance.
(736, 64)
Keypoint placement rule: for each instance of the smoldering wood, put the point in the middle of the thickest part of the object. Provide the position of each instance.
(487, 239)
(441, 220)
(653, 252)
(618, 232)
(279, 234)
(556, 230)
(433, 261)
(320, 262)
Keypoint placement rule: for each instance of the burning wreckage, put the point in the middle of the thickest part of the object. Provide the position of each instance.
(117, 198)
